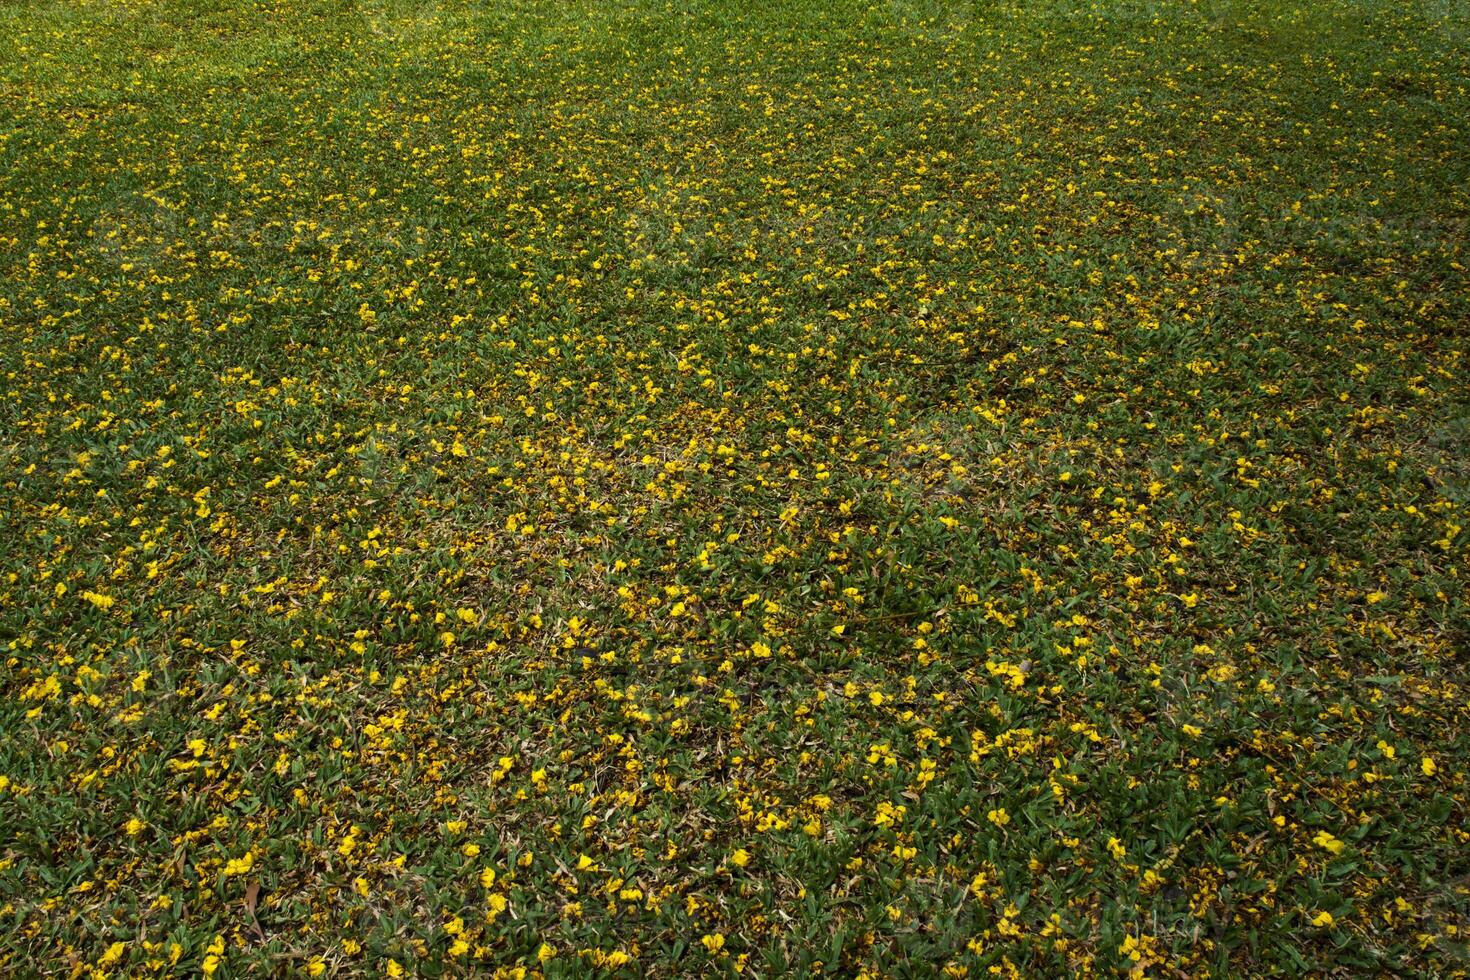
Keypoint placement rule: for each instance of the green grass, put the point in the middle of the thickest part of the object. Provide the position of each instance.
(669, 489)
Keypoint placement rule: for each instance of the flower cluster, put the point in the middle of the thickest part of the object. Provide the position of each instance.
(887, 488)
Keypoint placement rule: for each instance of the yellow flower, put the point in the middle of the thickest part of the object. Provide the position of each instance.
(713, 942)
(740, 858)
(1427, 766)
(212, 956)
(1326, 841)
(240, 865)
(1322, 919)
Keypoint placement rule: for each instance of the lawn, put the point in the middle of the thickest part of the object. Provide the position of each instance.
(611, 487)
